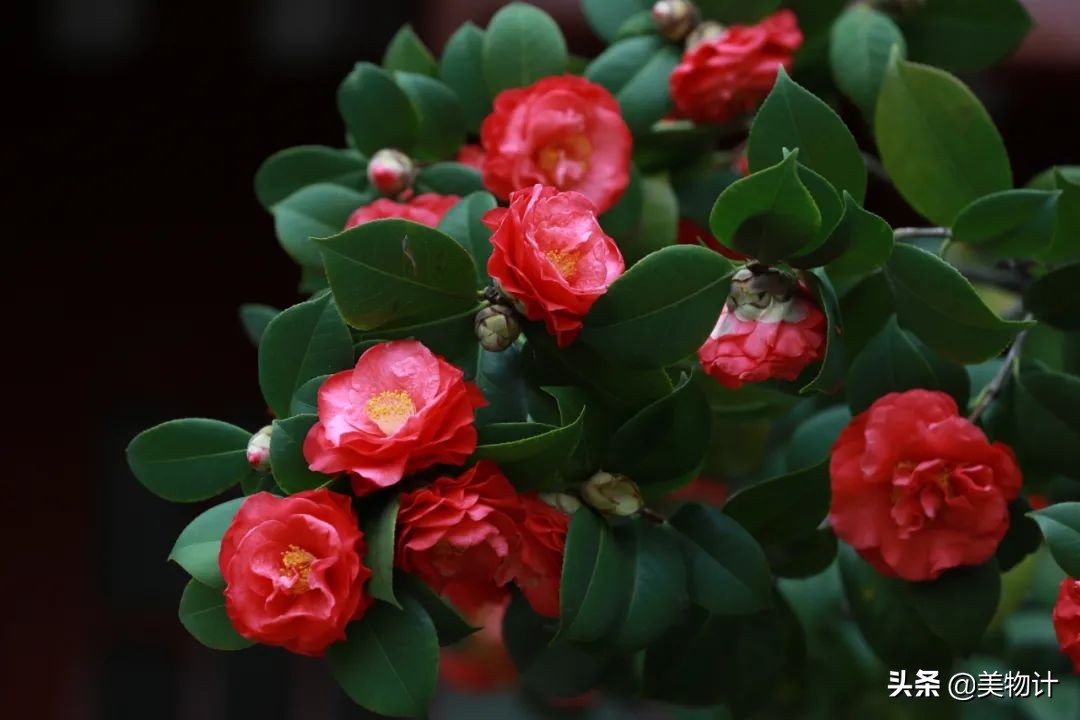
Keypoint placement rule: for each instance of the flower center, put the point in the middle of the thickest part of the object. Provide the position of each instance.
(296, 564)
(390, 409)
(565, 161)
(565, 262)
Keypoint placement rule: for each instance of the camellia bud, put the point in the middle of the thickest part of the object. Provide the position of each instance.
(258, 450)
(562, 501)
(675, 18)
(704, 32)
(497, 327)
(391, 172)
(612, 494)
(760, 293)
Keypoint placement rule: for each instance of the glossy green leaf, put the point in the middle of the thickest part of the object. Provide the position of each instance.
(305, 400)
(861, 42)
(314, 211)
(792, 117)
(860, 244)
(661, 309)
(464, 223)
(393, 273)
(522, 44)
(936, 302)
(636, 25)
(377, 113)
(441, 131)
(450, 626)
(462, 69)
(594, 568)
(830, 374)
(378, 522)
(769, 215)
(303, 342)
(937, 142)
(501, 378)
(198, 545)
(449, 178)
(255, 317)
(389, 662)
(407, 53)
(1047, 411)
(655, 585)
(531, 454)
(287, 460)
(656, 225)
(287, 171)
(1060, 525)
(606, 17)
(1054, 298)
(831, 208)
(191, 459)
(894, 361)
(783, 508)
(1013, 223)
(1066, 242)
(959, 605)
(452, 337)
(729, 574)
(636, 71)
(202, 613)
(965, 35)
(812, 441)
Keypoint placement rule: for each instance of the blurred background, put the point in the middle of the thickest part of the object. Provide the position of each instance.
(132, 131)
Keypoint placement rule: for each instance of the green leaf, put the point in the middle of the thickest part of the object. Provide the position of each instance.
(255, 317)
(660, 310)
(959, 605)
(501, 378)
(1047, 409)
(287, 171)
(936, 302)
(1054, 298)
(377, 113)
(202, 613)
(462, 69)
(305, 401)
(1060, 525)
(1013, 223)
(392, 273)
(378, 522)
(665, 443)
(656, 224)
(861, 42)
(965, 35)
(606, 17)
(1066, 243)
(729, 574)
(407, 53)
(641, 23)
(895, 361)
(792, 117)
(812, 441)
(304, 341)
(804, 556)
(452, 337)
(287, 460)
(442, 123)
(831, 373)
(636, 71)
(531, 455)
(597, 426)
(198, 545)
(655, 586)
(522, 45)
(831, 208)
(591, 594)
(769, 215)
(449, 625)
(313, 211)
(449, 178)
(463, 223)
(783, 508)
(937, 142)
(189, 460)
(860, 243)
(389, 662)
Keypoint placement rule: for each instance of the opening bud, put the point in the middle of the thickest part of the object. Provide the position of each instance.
(562, 501)
(612, 494)
(497, 327)
(258, 450)
(705, 32)
(675, 18)
(391, 172)
(760, 293)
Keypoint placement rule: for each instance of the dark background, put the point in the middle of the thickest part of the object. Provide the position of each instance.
(132, 130)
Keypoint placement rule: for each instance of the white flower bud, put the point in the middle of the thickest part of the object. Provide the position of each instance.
(497, 327)
(391, 172)
(612, 494)
(705, 32)
(258, 449)
(562, 501)
(675, 18)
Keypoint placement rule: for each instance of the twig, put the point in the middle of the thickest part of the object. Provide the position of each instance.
(907, 234)
(991, 276)
(875, 168)
(650, 514)
(992, 390)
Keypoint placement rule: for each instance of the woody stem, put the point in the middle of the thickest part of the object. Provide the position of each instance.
(907, 234)
(993, 389)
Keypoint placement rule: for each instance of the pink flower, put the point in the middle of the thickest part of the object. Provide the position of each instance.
(471, 155)
(427, 209)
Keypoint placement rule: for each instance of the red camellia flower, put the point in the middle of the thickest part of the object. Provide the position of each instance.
(462, 536)
(401, 409)
(480, 663)
(917, 489)
(550, 255)
(1067, 620)
(721, 78)
(427, 209)
(761, 336)
(471, 155)
(543, 547)
(561, 131)
(293, 571)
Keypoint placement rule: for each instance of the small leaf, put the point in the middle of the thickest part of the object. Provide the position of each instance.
(594, 568)
(636, 71)
(287, 171)
(407, 53)
(202, 613)
(305, 401)
(861, 42)
(190, 460)
(463, 223)
(1066, 242)
(1060, 525)
(377, 113)
(449, 178)
(1013, 223)
(831, 373)
(378, 525)
(522, 44)
(1054, 298)
(462, 69)
(783, 508)
(197, 548)
(441, 131)
(290, 467)
(389, 661)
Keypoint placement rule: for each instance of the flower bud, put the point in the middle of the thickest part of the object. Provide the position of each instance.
(612, 494)
(675, 18)
(497, 327)
(391, 172)
(705, 32)
(755, 288)
(562, 501)
(258, 450)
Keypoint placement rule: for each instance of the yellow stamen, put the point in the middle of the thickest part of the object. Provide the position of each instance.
(390, 409)
(296, 563)
(576, 149)
(565, 262)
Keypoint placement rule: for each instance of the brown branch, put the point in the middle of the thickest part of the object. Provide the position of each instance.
(993, 389)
